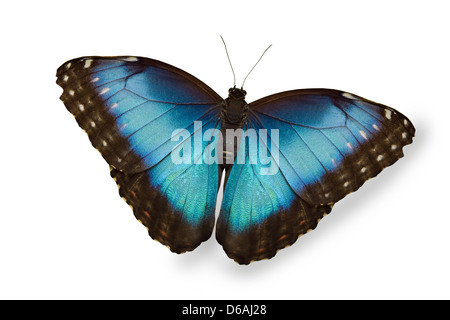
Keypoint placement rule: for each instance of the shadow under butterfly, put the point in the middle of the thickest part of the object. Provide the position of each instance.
(165, 133)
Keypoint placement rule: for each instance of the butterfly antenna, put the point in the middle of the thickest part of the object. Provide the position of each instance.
(255, 66)
(228, 56)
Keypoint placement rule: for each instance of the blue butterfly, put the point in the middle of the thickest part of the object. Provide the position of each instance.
(165, 135)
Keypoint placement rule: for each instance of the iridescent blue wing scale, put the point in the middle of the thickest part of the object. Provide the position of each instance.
(129, 107)
(330, 142)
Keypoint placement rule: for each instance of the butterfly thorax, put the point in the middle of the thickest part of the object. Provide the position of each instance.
(235, 108)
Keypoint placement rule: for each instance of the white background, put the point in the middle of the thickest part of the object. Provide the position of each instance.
(65, 232)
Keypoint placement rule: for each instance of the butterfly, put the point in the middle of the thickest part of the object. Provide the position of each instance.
(166, 137)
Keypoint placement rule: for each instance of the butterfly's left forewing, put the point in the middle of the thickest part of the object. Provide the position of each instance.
(330, 141)
(130, 108)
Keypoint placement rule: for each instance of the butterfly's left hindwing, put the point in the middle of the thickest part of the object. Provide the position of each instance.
(260, 212)
(129, 107)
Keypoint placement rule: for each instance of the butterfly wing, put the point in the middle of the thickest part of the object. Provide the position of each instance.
(176, 202)
(331, 141)
(260, 212)
(129, 107)
(328, 144)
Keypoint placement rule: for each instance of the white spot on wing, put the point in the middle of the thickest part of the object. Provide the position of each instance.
(81, 107)
(348, 95)
(131, 59)
(95, 79)
(87, 63)
(375, 127)
(388, 114)
(404, 135)
(65, 78)
(333, 162)
(380, 157)
(394, 146)
(71, 92)
(364, 169)
(349, 145)
(363, 134)
(104, 90)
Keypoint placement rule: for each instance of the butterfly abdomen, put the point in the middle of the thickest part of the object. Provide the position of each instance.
(230, 144)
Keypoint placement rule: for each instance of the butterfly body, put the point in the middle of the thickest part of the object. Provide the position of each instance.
(165, 136)
(233, 116)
